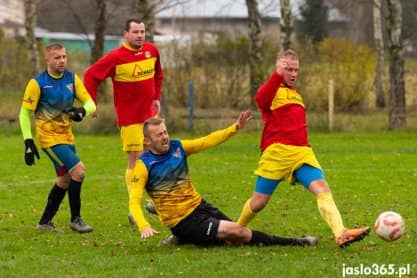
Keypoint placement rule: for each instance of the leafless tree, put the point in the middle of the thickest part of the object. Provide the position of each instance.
(144, 9)
(100, 29)
(286, 24)
(379, 45)
(397, 111)
(30, 24)
(255, 51)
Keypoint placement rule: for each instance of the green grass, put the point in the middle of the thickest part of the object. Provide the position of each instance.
(368, 174)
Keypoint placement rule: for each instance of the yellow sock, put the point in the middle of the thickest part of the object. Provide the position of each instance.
(246, 215)
(330, 213)
(128, 177)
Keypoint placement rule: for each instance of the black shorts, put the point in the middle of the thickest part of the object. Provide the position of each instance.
(201, 226)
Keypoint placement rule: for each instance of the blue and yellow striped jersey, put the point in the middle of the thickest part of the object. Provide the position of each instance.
(49, 97)
(167, 181)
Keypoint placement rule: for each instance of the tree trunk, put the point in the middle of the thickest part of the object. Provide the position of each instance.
(255, 49)
(379, 45)
(144, 10)
(397, 111)
(286, 25)
(100, 28)
(30, 24)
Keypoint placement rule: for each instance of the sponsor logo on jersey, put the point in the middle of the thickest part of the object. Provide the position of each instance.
(177, 153)
(70, 87)
(136, 71)
(135, 179)
(28, 100)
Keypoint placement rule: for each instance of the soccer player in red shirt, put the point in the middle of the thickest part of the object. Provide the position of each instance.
(286, 152)
(136, 74)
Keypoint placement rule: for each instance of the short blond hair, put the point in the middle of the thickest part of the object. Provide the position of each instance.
(54, 46)
(151, 121)
(288, 53)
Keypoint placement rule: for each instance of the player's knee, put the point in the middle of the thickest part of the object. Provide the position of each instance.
(257, 205)
(319, 186)
(78, 172)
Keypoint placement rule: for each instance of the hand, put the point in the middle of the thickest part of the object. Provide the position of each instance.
(156, 106)
(281, 65)
(30, 152)
(148, 232)
(243, 119)
(77, 113)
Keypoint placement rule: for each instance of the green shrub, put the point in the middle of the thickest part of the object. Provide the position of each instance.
(352, 69)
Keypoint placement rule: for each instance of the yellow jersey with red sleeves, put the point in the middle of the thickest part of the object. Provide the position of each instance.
(167, 181)
(49, 97)
(283, 114)
(137, 81)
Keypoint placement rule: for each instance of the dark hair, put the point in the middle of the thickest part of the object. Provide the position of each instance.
(151, 121)
(130, 20)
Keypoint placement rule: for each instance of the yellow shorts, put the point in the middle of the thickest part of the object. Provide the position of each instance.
(132, 137)
(279, 161)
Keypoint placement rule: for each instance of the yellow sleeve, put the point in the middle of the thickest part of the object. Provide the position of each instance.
(81, 92)
(136, 186)
(213, 139)
(32, 95)
(83, 96)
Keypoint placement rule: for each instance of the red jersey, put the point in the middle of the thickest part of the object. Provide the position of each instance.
(137, 81)
(283, 114)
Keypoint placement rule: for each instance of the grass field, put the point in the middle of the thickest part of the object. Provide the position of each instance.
(368, 173)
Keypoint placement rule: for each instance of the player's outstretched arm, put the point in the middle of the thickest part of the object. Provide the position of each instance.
(217, 137)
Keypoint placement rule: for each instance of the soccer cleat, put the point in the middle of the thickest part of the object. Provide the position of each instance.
(150, 207)
(131, 220)
(171, 240)
(305, 241)
(50, 227)
(78, 225)
(349, 236)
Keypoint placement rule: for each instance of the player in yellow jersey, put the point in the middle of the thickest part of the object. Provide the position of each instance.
(162, 172)
(50, 96)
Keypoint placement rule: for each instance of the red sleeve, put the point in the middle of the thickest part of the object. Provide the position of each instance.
(99, 71)
(159, 76)
(266, 92)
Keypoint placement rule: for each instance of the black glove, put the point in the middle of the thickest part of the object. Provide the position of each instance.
(77, 113)
(30, 152)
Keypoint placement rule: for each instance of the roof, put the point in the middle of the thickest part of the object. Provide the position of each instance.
(236, 9)
(219, 8)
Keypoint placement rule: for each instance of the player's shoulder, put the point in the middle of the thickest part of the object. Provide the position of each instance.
(149, 46)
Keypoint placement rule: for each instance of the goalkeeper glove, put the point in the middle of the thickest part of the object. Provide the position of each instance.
(77, 113)
(30, 152)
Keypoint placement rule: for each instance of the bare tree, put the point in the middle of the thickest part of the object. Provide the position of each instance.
(30, 24)
(146, 10)
(397, 111)
(379, 45)
(78, 18)
(100, 29)
(286, 25)
(255, 51)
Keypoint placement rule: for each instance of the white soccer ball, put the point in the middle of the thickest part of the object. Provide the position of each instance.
(389, 226)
